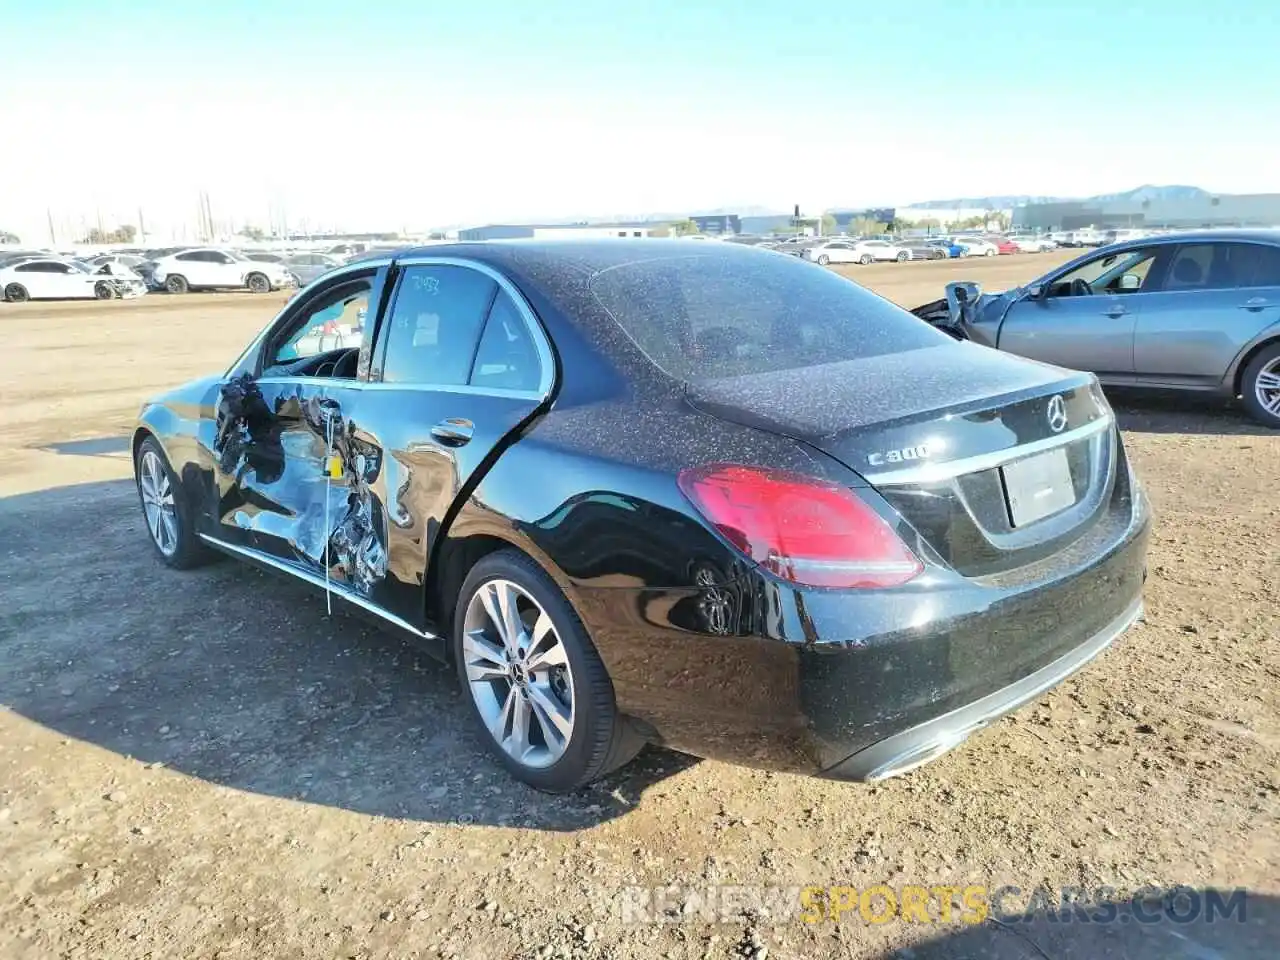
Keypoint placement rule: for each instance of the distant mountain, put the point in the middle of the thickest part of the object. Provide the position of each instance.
(1136, 195)
(983, 203)
(1148, 192)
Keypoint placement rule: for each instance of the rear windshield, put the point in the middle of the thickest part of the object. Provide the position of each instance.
(707, 317)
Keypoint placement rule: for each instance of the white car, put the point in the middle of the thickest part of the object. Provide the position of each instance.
(124, 281)
(50, 278)
(977, 247)
(1027, 243)
(854, 251)
(208, 268)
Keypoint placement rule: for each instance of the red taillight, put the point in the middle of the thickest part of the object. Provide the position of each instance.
(801, 529)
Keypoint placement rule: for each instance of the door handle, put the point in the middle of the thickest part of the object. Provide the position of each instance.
(1116, 311)
(453, 432)
(1255, 304)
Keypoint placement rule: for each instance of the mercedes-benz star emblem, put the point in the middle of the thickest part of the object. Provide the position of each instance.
(1057, 413)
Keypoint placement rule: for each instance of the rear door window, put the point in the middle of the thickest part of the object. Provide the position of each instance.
(434, 324)
(702, 317)
(507, 358)
(1251, 265)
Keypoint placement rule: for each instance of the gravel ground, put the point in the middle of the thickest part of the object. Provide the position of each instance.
(206, 765)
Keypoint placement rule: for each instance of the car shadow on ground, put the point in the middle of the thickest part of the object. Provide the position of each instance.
(1191, 924)
(240, 678)
(1145, 411)
(113, 447)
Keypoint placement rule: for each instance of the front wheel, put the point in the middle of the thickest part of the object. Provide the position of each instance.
(866, 259)
(103, 291)
(990, 252)
(903, 257)
(536, 684)
(258, 283)
(165, 510)
(1260, 387)
(823, 259)
(16, 293)
(176, 284)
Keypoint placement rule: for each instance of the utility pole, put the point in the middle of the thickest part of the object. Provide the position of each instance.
(142, 228)
(53, 237)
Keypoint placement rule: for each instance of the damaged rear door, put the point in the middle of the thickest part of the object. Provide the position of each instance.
(460, 366)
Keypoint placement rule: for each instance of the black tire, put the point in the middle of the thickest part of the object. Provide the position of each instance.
(176, 283)
(16, 293)
(903, 257)
(188, 551)
(103, 290)
(257, 283)
(601, 739)
(866, 259)
(823, 259)
(1267, 357)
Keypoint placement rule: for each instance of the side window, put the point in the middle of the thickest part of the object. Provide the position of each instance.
(1112, 273)
(1253, 265)
(194, 255)
(27, 268)
(1192, 266)
(333, 321)
(434, 324)
(507, 358)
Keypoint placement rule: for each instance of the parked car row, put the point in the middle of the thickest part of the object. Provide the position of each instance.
(867, 250)
(41, 277)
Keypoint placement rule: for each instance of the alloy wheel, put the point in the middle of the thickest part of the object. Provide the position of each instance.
(518, 673)
(157, 503)
(1266, 387)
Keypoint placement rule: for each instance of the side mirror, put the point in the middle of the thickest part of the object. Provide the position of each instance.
(1035, 291)
(961, 298)
(1130, 281)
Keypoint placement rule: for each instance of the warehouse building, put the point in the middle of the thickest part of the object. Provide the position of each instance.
(1191, 212)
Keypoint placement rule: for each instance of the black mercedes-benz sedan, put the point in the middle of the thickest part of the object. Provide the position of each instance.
(694, 494)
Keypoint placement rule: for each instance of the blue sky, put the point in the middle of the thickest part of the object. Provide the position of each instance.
(426, 113)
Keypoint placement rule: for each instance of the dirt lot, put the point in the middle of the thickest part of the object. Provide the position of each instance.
(205, 765)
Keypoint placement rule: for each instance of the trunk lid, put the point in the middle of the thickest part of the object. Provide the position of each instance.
(994, 460)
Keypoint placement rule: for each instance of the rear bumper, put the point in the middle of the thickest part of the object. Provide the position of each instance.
(911, 748)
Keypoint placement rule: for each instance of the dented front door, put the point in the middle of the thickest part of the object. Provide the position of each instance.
(292, 476)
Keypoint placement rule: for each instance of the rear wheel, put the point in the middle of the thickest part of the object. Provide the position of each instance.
(536, 684)
(103, 291)
(990, 252)
(903, 257)
(1260, 386)
(176, 283)
(823, 259)
(866, 259)
(258, 283)
(16, 293)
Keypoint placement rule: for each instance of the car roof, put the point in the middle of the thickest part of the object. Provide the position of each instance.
(582, 257)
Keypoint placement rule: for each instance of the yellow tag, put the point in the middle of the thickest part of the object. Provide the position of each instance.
(333, 466)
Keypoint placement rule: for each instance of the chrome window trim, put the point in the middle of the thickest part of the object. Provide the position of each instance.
(546, 360)
(950, 469)
(353, 384)
(342, 590)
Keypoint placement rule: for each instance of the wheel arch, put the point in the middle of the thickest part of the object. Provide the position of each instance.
(468, 541)
(1267, 338)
